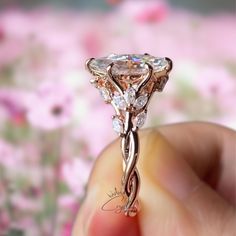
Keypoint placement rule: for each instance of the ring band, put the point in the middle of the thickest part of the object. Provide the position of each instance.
(128, 82)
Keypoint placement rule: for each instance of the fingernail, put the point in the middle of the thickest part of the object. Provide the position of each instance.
(112, 224)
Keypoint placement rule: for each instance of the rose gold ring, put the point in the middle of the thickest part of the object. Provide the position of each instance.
(128, 82)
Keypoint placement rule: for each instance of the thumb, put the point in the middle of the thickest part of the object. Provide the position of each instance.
(174, 200)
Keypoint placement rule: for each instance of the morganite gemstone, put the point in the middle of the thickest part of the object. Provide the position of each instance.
(128, 64)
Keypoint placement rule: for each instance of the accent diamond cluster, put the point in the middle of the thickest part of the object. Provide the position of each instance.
(128, 81)
(127, 102)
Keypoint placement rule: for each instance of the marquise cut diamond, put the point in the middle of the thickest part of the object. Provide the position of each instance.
(119, 102)
(141, 101)
(105, 94)
(140, 119)
(130, 95)
(118, 125)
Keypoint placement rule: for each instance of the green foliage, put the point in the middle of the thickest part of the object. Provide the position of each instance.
(15, 232)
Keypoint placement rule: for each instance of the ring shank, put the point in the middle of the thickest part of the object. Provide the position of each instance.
(130, 153)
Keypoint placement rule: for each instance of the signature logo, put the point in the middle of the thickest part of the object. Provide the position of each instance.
(116, 202)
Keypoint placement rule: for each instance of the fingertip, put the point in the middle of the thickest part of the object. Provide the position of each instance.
(112, 224)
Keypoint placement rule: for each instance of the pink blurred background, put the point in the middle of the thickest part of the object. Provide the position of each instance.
(53, 123)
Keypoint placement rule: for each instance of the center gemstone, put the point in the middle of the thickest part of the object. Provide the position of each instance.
(129, 64)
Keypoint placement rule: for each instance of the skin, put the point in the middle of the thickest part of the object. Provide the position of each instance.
(188, 185)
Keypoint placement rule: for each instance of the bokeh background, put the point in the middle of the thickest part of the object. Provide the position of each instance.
(53, 123)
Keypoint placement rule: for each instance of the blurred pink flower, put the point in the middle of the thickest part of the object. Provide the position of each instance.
(12, 44)
(218, 85)
(215, 82)
(51, 106)
(5, 222)
(67, 229)
(9, 51)
(145, 11)
(94, 134)
(76, 173)
(2, 34)
(92, 42)
(13, 101)
(25, 203)
(67, 201)
(16, 23)
(10, 156)
(218, 33)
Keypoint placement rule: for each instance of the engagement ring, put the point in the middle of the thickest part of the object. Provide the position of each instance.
(128, 82)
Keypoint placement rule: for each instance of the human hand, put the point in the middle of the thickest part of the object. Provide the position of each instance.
(188, 185)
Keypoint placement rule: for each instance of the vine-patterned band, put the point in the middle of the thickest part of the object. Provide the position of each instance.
(130, 152)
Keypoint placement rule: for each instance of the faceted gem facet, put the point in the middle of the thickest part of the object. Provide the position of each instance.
(140, 119)
(160, 63)
(118, 125)
(141, 101)
(130, 95)
(105, 94)
(119, 101)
